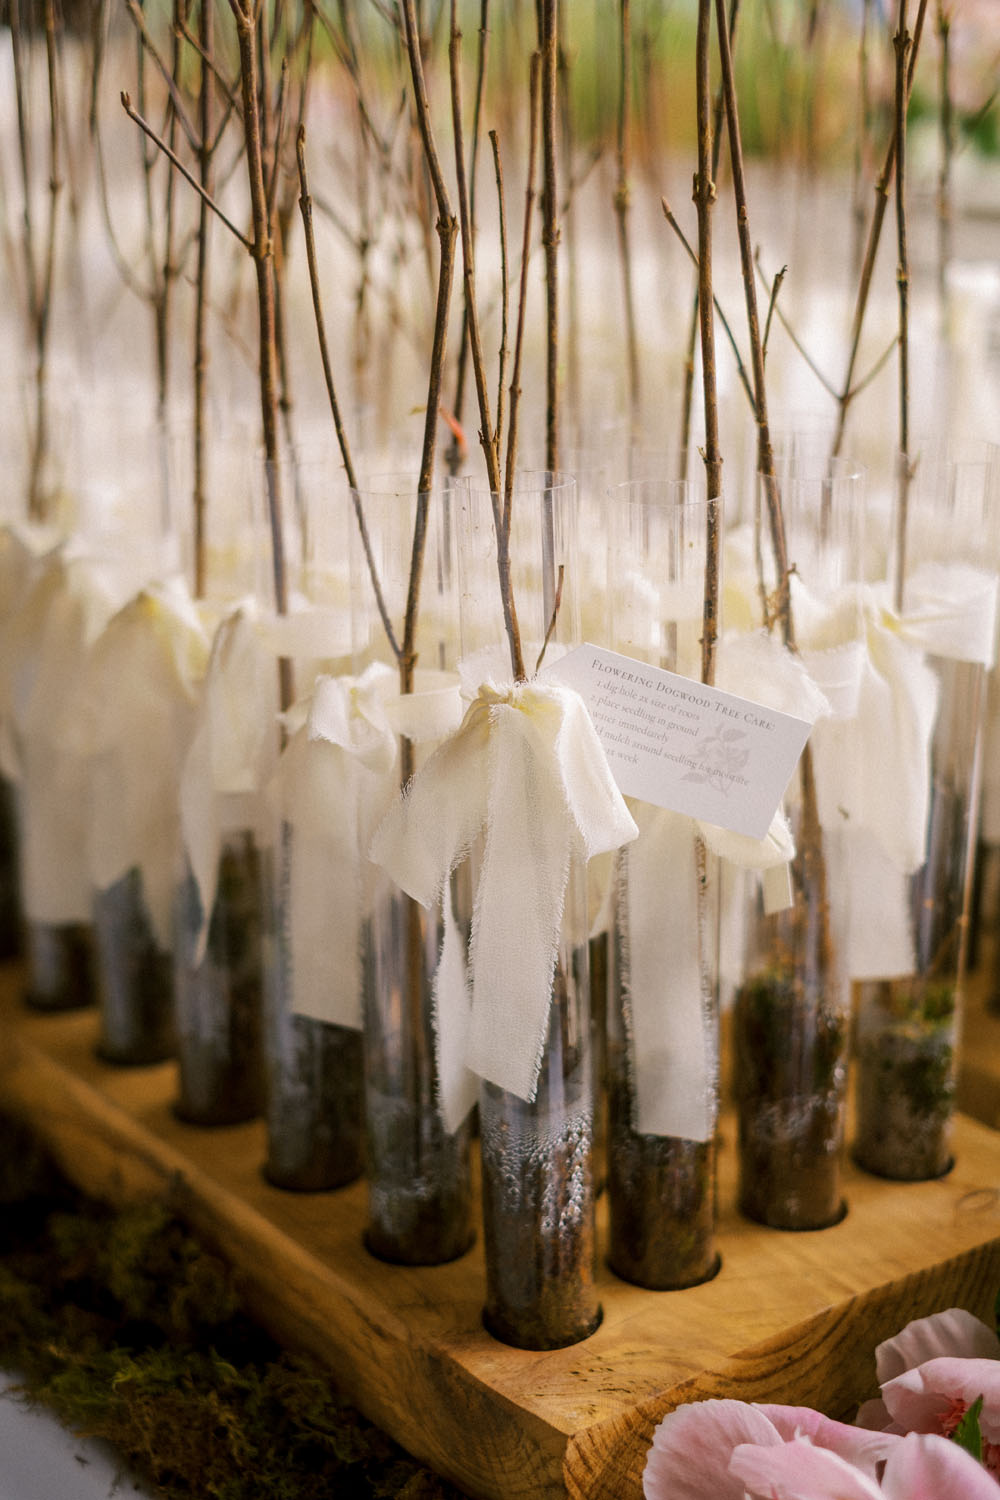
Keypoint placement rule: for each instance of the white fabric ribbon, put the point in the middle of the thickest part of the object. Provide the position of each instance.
(526, 768)
(873, 760)
(951, 611)
(135, 711)
(232, 751)
(308, 632)
(672, 1046)
(332, 776)
(45, 647)
(332, 785)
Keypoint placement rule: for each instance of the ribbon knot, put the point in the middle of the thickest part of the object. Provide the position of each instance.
(526, 771)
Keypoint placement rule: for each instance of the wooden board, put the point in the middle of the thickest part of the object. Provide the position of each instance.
(791, 1317)
(979, 1073)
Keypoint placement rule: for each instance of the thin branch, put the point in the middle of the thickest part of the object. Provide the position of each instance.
(305, 205)
(875, 370)
(486, 434)
(621, 205)
(24, 146)
(504, 291)
(797, 343)
(550, 630)
(175, 161)
(262, 253)
(687, 400)
(455, 450)
(550, 228)
(522, 300)
(871, 247)
(704, 197)
(228, 90)
(902, 42)
(810, 856)
(166, 73)
(488, 437)
(772, 304)
(447, 229)
(668, 214)
(279, 129)
(947, 146)
(206, 123)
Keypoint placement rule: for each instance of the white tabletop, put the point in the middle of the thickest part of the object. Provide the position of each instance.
(41, 1460)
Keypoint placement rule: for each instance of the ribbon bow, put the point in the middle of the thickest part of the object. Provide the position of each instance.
(526, 769)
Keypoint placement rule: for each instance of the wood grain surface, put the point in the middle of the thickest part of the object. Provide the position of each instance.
(790, 1317)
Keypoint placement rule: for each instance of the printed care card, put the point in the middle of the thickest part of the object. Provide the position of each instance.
(678, 744)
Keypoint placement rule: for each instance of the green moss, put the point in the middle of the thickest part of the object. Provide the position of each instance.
(132, 1331)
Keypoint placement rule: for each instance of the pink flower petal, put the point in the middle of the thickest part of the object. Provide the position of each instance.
(874, 1416)
(800, 1471)
(923, 1400)
(954, 1332)
(927, 1467)
(863, 1449)
(692, 1446)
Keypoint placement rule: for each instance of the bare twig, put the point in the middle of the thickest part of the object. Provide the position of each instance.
(522, 299)
(811, 860)
(871, 247)
(547, 40)
(621, 205)
(772, 304)
(454, 452)
(875, 370)
(486, 434)
(553, 617)
(175, 161)
(765, 455)
(704, 197)
(167, 73)
(305, 204)
(447, 230)
(947, 139)
(567, 140)
(262, 252)
(488, 437)
(741, 371)
(861, 139)
(40, 279)
(207, 126)
(229, 90)
(504, 292)
(24, 146)
(902, 43)
(797, 343)
(687, 400)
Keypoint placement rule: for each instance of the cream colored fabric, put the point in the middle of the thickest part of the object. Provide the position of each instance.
(526, 770)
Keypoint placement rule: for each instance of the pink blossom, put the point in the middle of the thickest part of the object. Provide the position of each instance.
(924, 1466)
(693, 1446)
(919, 1467)
(931, 1373)
(800, 1471)
(954, 1332)
(936, 1395)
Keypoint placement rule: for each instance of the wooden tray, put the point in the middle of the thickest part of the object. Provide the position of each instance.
(791, 1317)
(979, 1073)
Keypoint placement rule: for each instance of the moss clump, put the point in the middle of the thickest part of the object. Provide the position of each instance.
(790, 1047)
(906, 1078)
(133, 1332)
